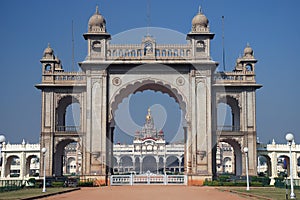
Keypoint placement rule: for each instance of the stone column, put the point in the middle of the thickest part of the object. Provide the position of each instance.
(3, 163)
(179, 164)
(22, 165)
(141, 165)
(157, 164)
(165, 163)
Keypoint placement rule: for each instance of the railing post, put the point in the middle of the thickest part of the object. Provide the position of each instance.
(131, 179)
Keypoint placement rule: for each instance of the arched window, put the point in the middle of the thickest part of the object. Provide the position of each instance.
(48, 68)
(249, 68)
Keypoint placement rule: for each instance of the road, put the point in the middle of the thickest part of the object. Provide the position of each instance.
(153, 192)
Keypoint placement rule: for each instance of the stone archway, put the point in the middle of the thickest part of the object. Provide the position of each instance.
(184, 71)
(141, 85)
(32, 161)
(58, 157)
(260, 165)
(233, 103)
(12, 166)
(238, 155)
(61, 114)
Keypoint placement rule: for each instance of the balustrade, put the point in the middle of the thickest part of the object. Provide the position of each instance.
(68, 128)
(65, 77)
(136, 52)
(228, 128)
(228, 77)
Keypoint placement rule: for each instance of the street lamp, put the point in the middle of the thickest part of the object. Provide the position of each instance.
(2, 139)
(290, 137)
(247, 175)
(44, 181)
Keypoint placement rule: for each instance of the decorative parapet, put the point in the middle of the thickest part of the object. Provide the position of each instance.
(234, 77)
(278, 147)
(140, 51)
(71, 78)
(20, 147)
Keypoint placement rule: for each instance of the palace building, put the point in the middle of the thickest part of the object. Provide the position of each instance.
(149, 152)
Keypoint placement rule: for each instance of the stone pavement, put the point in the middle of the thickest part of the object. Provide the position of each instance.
(147, 193)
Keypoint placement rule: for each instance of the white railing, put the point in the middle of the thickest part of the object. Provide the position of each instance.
(147, 179)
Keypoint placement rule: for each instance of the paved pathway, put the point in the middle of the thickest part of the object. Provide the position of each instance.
(148, 193)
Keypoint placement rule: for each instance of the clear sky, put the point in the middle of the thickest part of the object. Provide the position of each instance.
(271, 27)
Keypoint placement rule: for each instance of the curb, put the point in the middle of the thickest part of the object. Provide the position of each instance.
(51, 194)
(244, 194)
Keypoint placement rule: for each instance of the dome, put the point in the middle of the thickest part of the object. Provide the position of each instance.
(248, 51)
(97, 22)
(48, 52)
(200, 19)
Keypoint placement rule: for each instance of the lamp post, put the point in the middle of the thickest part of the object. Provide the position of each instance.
(247, 175)
(44, 181)
(2, 139)
(290, 137)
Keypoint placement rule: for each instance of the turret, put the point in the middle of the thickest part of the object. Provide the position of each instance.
(247, 61)
(200, 37)
(50, 63)
(97, 37)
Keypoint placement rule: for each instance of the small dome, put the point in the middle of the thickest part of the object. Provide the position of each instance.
(97, 22)
(248, 51)
(48, 52)
(200, 19)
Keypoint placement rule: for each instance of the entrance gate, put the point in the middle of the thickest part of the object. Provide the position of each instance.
(112, 72)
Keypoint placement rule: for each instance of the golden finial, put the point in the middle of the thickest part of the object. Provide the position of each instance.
(148, 117)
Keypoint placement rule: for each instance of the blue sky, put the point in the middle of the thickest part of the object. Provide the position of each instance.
(270, 26)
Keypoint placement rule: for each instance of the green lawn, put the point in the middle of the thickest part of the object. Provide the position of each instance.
(32, 192)
(267, 192)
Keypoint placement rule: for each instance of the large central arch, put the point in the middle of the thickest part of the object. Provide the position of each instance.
(141, 85)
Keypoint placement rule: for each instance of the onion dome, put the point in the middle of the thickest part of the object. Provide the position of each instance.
(248, 51)
(200, 19)
(48, 52)
(97, 23)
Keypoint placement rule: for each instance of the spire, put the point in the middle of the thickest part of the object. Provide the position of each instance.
(200, 10)
(148, 117)
(97, 10)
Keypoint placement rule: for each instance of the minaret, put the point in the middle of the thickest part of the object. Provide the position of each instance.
(200, 37)
(97, 37)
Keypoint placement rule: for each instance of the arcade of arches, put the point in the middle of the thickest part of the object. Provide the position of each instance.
(111, 72)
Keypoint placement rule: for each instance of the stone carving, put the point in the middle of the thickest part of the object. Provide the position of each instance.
(116, 81)
(180, 81)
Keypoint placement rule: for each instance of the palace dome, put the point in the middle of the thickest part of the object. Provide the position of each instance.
(200, 19)
(97, 22)
(48, 52)
(248, 51)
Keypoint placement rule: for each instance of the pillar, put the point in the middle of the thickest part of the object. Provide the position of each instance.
(4, 161)
(141, 165)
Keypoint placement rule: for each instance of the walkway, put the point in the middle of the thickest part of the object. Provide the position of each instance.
(148, 193)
